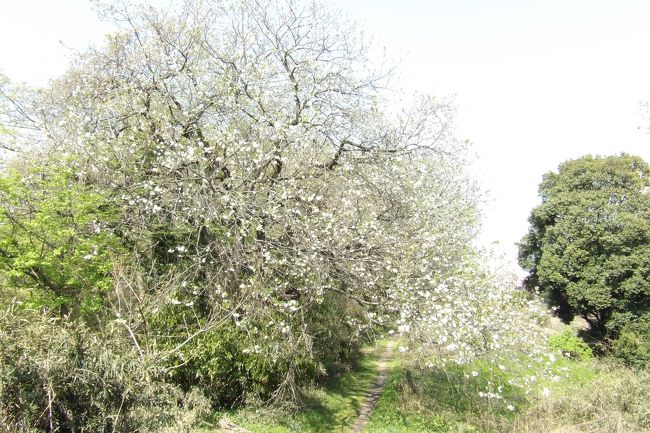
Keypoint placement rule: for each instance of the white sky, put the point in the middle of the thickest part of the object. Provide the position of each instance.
(536, 82)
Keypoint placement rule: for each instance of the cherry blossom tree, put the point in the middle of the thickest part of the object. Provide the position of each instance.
(268, 182)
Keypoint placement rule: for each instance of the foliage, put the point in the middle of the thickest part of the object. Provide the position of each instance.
(61, 376)
(57, 240)
(234, 365)
(274, 204)
(633, 343)
(330, 407)
(231, 186)
(215, 361)
(570, 345)
(588, 246)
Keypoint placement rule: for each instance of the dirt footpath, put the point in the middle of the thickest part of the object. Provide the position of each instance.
(375, 391)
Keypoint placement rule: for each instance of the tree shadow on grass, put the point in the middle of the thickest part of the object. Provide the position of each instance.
(336, 403)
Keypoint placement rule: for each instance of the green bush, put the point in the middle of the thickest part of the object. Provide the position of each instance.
(336, 343)
(59, 376)
(570, 345)
(235, 363)
(215, 362)
(633, 343)
(228, 363)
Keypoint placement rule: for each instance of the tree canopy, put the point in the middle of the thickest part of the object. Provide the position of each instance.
(588, 247)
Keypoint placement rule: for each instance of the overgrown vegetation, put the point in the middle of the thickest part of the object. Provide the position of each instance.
(330, 407)
(227, 194)
(569, 395)
(614, 400)
(219, 207)
(568, 344)
(59, 375)
(58, 242)
(561, 393)
(633, 343)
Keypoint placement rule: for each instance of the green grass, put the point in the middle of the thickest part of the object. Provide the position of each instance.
(588, 395)
(332, 408)
(599, 396)
(441, 400)
(605, 396)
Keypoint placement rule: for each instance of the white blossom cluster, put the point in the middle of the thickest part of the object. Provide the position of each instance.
(474, 313)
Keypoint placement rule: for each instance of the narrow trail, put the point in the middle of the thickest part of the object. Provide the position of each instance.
(372, 395)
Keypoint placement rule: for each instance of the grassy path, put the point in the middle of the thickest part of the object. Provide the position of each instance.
(342, 406)
(373, 393)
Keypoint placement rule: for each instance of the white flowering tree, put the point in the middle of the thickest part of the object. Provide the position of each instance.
(268, 184)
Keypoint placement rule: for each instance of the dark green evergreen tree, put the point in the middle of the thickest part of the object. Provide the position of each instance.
(588, 247)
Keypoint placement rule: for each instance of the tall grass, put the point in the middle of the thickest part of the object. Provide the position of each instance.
(595, 396)
(615, 400)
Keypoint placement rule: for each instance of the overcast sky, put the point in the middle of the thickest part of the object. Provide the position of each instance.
(535, 82)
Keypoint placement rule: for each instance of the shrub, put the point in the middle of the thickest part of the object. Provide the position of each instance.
(233, 364)
(57, 241)
(570, 345)
(633, 343)
(215, 362)
(59, 376)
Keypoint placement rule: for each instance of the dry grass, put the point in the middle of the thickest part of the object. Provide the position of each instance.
(617, 400)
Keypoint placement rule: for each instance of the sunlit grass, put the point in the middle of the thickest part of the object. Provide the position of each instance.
(330, 408)
(607, 397)
(600, 394)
